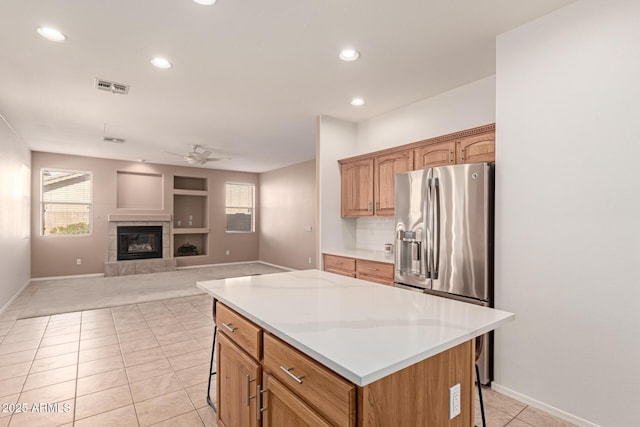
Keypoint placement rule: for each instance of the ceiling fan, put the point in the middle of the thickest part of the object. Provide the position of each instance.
(197, 158)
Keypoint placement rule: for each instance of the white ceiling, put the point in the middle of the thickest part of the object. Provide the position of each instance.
(249, 77)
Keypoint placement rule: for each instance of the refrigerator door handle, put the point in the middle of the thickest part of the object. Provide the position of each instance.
(429, 234)
(435, 207)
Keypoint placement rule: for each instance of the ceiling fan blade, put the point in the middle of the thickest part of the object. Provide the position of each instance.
(173, 154)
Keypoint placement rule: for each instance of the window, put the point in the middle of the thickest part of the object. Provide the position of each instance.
(239, 208)
(65, 202)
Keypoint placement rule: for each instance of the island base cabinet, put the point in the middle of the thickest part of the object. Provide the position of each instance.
(238, 379)
(282, 408)
(419, 395)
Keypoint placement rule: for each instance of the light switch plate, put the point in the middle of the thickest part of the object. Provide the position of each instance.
(454, 401)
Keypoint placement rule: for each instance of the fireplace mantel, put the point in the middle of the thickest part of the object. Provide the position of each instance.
(139, 217)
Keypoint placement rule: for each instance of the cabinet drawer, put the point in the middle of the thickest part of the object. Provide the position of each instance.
(244, 333)
(329, 394)
(340, 272)
(380, 270)
(339, 262)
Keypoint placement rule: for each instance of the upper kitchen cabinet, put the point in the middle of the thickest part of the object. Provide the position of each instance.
(476, 148)
(385, 169)
(356, 187)
(438, 154)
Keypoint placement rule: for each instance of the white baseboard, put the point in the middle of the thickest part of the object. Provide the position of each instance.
(2, 310)
(75, 276)
(551, 410)
(277, 266)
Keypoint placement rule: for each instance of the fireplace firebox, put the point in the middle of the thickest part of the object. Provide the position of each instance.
(139, 242)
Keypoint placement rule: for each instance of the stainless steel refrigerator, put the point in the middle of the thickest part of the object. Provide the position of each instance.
(444, 238)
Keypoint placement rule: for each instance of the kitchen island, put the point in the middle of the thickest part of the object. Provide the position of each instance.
(314, 348)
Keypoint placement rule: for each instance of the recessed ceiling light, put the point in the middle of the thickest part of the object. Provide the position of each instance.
(356, 102)
(205, 2)
(161, 63)
(349, 55)
(51, 34)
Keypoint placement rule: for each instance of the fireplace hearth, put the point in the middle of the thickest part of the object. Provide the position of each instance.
(139, 242)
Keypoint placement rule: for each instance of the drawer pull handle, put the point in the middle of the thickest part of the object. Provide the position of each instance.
(372, 269)
(339, 263)
(259, 408)
(288, 372)
(229, 327)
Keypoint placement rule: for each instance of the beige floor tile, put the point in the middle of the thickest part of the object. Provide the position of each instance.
(48, 363)
(102, 401)
(205, 342)
(195, 375)
(17, 330)
(154, 387)
(198, 394)
(207, 331)
(121, 417)
(190, 317)
(536, 417)
(52, 393)
(100, 313)
(64, 322)
(18, 370)
(168, 329)
(19, 346)
(163, 408)
(135, 335)
(143, 356)
(156, 316)
(99, 382)
(494, 417)
(25, 336)
(33, 323)
(94, 367)
(56, 350)
(149, 370)
(169, 319)
(65, 316)
(99, 353)
(88, 344)
(189, 360)
(516, 423)
(190, 419)
(208, 416)
(501, 402)
(97, 324)
(6, 324)
(11, 386)
(173, 338)
(60, 339)
(131, 326)
(52, 332)
(141, 344)
(197, 324)
(50, 377)
(56, 414)
(120, 309)
(97, 333)
(181, 347)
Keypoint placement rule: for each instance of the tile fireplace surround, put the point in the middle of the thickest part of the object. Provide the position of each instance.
(113, 267)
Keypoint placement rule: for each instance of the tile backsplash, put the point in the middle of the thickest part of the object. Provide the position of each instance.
(373, 233)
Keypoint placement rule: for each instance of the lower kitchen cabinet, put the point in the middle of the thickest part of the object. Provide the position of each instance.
(373, 271)
(282, 408)
(238, 379)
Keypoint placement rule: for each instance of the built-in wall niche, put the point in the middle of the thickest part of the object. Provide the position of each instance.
(190, 244)
(139, 191)
(189, 211)
(189, 183)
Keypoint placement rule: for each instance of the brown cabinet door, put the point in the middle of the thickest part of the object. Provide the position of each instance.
(477, 148)
(385, 169)
(237, 381)
(356, 180)
(282, 408)
(440, 154)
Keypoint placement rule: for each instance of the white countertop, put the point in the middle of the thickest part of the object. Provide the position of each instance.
(367, 254)
(361, 330)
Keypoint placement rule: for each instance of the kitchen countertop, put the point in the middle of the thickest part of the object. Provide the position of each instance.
(361, 330)
(370, 255)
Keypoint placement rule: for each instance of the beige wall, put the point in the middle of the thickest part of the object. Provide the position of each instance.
(15, 163)
(287, 205)
(56, 255)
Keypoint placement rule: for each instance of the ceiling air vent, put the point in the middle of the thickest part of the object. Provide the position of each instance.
(112, 87)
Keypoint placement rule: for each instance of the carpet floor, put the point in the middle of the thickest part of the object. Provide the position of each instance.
(48, 297)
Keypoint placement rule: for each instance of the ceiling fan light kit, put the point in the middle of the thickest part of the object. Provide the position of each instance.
(197, 158)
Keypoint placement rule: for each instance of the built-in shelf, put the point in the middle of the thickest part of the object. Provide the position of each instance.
(190, 231)
(200, 193)
(190, 214)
